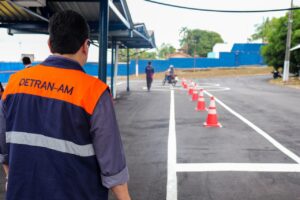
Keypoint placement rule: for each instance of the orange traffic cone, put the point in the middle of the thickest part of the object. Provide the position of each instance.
(185, 86)
(212, 119)
(201, 102)
(183, 82)
(195, 95)
(191, 90)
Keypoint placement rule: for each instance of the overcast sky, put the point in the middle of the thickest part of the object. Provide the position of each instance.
(166, 22)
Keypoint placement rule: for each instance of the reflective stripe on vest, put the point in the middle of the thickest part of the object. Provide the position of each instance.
(38, 140)
(51, 156)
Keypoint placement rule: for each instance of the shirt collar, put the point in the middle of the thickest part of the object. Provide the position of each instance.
(62, 62)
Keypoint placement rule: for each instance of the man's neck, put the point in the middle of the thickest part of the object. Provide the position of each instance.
(72, 57)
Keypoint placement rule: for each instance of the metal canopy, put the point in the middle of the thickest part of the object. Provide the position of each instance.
(19, 19)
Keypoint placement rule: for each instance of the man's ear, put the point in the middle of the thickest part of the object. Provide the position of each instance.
(85, 47)
(49, 45)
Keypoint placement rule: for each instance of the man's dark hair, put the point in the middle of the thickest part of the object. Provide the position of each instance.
(1, 87)
(149, 63)
(68, 30)
(26, 60)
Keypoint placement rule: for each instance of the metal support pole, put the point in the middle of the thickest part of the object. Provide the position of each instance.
(286, 69)
(137, 62)
(116, 70)
(103, 41)
(128, 60)
(112, 66)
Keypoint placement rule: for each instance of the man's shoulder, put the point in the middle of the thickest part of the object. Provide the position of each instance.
(149, 67)
(94, 80)
(53, 74)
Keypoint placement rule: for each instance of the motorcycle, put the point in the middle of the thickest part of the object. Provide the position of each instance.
(276, 75)
(170, 79)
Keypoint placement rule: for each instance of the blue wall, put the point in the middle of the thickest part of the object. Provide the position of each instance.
(92, 69)
(241, 54)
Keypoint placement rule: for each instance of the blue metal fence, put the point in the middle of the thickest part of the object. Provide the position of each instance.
(241, 54)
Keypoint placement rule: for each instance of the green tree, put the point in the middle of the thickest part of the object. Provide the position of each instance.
(147, 55)
(165, 50)
(263, 30)
(198, 42)
(295, 55)
(274, 51)
(122, 56)
(142, 54)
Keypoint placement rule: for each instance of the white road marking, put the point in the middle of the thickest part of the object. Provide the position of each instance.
(172, 153)
(174, 167)
(260, 131)
(208, 84)
(218, 89)
(207, 88)
(237, 167)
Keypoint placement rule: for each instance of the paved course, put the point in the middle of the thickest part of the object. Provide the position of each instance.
(237, 161)
(172, 156)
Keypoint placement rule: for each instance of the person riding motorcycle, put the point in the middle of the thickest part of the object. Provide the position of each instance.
(170, 75)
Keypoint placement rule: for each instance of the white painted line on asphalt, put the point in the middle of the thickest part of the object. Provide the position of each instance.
(218, 89)
(172, 153)
(165, 88)
(260, 131)
(237, 167)
(208, 84)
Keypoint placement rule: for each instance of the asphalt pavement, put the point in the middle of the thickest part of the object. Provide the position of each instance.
(236, 161)
(170, 155)
(273, 109)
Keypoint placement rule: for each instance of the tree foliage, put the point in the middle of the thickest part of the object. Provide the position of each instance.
(263, 30)
(274, 51)
(196, 42)
(141, 54)
(165, 50)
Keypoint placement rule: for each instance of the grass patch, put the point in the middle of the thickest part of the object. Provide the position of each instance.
(293, 82)
(213, 72)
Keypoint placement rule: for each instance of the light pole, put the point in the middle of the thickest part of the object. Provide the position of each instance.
(286, 69)
(194, 41)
